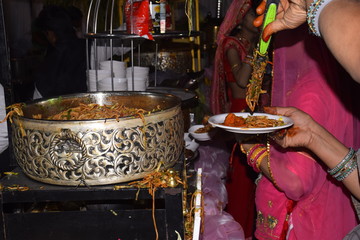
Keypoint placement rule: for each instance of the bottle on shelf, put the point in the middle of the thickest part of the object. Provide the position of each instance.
(155, 15)
(169, 26)
(162, 16)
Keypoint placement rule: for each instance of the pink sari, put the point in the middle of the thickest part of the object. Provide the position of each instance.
(307, 77)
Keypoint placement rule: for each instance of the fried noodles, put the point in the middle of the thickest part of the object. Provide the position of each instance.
(232, 120)
(254, 90)
(95, 111)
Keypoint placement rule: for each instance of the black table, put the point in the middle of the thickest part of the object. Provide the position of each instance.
(50, 212)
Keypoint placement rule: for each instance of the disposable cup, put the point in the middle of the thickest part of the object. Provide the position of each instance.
(120, 84)
(137, 84)
(115, 65)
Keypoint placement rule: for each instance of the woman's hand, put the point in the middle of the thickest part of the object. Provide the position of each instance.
(300, 134)
(290, 15)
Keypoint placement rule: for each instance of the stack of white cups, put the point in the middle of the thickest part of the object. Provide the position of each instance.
(113, 84)
(119, 81)
(101, 79)
(140, 80)
(95, 76)
(118, 67)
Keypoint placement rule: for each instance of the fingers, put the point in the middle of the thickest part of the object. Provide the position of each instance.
(281, 134)
(261, 8)
(270, 110)
(272, 28)
(289, 15)
(258, 21)
(285, 111)
(267, 33)
(279, 137)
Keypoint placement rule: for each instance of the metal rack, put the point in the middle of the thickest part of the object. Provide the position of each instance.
(119, 41)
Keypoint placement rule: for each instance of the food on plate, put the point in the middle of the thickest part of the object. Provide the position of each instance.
(207, 126)
(205, 129)
(250, 121)
(205, 120)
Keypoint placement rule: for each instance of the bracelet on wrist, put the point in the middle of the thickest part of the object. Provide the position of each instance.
(234, 66)
(349, 167)
(260, 159)
(251, 150)
(313, 15)
(343, 162)
(253, 158)
(242, 149)
(248, 62)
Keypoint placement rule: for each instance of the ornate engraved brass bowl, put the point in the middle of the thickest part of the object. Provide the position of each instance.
(98, 152)
(176, 61)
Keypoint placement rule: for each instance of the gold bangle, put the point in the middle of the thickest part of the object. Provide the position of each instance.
(252, 148)
(256, 152)
(234, 66)
(242, 149)
(249, 57)
(248, 62)
(259, 160)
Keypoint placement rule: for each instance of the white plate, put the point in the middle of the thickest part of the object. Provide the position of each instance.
(206, 136)
(217, 121)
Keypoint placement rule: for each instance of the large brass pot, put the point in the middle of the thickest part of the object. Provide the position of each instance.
(98, 152)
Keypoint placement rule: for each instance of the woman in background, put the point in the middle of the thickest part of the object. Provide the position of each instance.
(63, 68)
(236, 41)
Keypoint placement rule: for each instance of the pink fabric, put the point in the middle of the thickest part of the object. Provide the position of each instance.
(306, 76)
(219, 102)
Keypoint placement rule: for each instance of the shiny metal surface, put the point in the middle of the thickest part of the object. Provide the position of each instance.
(98, 152)
(175, 61)
(124, 35)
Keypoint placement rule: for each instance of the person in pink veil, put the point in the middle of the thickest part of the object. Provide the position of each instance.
(236, 40)
(296, 198)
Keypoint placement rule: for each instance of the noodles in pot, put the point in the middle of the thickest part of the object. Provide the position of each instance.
(95, 111)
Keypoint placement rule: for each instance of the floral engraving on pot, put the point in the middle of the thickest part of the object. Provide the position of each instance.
(97, 157)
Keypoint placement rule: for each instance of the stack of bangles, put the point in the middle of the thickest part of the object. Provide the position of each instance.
(313, 15)
(248, 60)
(255, 155)
(344, 168)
